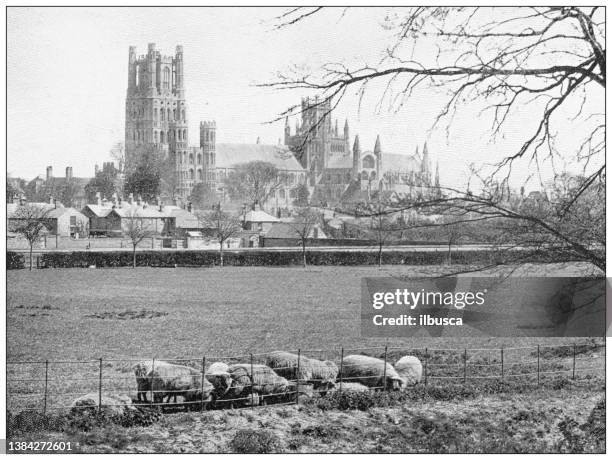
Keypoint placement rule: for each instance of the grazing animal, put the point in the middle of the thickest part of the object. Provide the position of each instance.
(219, 375)
(409, 369)
(264, 382)
(170, 380)
(321, 374)
(142, 370)
(371, 372)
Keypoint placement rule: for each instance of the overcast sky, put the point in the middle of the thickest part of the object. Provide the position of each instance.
(67, 81)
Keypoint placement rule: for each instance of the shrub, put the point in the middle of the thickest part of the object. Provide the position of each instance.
(76, 259)
(250, 441)
(14, 260)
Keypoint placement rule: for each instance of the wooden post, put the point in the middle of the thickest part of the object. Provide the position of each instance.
(464, 365)
(341, 367)
(100, 388)
(202, 389)
(297, 385)
(426, 367)
(574, 364)
(151, 380)
(538, 365)
(252, 384)
(385, 371)
(46, 386)
(502, 363)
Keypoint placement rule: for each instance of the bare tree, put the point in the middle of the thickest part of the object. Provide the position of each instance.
(224, 226)
(136, 230)
(30, 221)
(255, 181)
(381, 226)
(303, 225)
(544, 66)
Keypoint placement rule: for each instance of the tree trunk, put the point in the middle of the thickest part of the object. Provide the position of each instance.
(31, 246)
(304, 252)
(221, 253)
(450, 242)
(380, 246)
(134, 257)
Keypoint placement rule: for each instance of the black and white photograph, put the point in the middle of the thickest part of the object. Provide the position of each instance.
(305, 229)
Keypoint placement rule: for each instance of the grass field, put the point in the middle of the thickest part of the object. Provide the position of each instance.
(125, 314)
(72, 314)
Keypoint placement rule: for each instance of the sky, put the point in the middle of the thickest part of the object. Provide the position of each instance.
(67, 82)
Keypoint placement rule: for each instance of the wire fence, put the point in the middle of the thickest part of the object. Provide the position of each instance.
(56, 385)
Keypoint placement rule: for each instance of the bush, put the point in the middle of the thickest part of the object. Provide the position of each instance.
(250, 441)
(79, 421)
(264, 257)
(14, 260)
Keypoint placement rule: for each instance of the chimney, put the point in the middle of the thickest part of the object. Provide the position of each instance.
(189, 207)
(51, 200)
(49, 173)
(68, 172)
(131, 198)
(160, 204)
(139, 200)
(98, 198)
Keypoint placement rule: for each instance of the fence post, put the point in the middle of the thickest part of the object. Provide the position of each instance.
(538, 365)
(100, 388)
(385, 371)
(151, 380)
(426, 366)
(502, 362)
(574, 364)
(252, 383)
(341, 367)
(202, 389)
(46, 385)
(464, 365)
(297, 385)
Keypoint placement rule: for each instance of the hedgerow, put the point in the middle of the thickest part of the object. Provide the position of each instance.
(83, 259)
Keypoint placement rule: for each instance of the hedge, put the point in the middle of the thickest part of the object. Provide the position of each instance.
(14, 260)
(169, 258)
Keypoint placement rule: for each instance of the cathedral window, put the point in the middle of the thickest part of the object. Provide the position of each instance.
(162, 112)
(174, 114)
(199, 158)
(183, 115)
(156, 137)
(368, 162)
(161, 137)
(155, 114)
(200, 174)
(191, 158)
(191, 174)
(166, 78)
(373, 175)
(281, 193)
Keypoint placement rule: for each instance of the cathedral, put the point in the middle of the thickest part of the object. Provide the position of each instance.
(317, 154)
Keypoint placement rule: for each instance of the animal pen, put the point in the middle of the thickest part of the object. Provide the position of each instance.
(47, 386)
